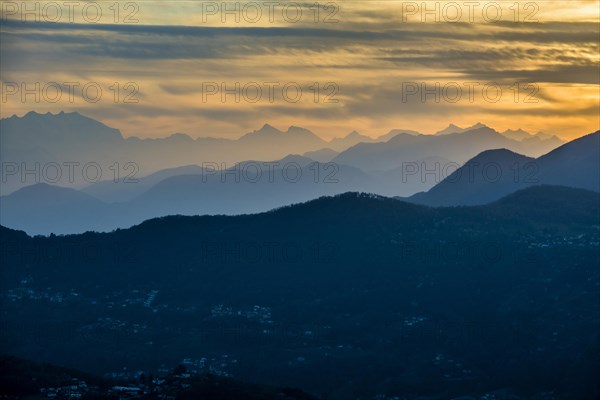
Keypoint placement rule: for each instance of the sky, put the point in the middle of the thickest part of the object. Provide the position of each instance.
(225, 68)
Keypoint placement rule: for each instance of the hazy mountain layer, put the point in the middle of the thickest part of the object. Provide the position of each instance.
(69, 149)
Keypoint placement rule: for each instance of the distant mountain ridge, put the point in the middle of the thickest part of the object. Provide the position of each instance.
(247, 187)
(450, 129)
(457, 147)
(496, 173)
(73, 138)
(520, 135)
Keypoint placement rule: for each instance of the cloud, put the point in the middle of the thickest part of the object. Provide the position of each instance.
(368, 54)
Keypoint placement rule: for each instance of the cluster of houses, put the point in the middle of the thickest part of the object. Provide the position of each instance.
(255, 313)
(582, 240)
(214, 366)
(136, 385)
(27, 293)
(164, 388)
(76, 389)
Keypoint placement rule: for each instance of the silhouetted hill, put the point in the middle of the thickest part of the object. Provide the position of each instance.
(575, 164)
(236, 192)
(397, 298)
(323, 155)
(111, 192)
(496, 173)
(347, 214)
(42, 208)
(526, 204)
(487, 177)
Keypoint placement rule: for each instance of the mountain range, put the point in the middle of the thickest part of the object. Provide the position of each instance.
(277, 271)
(39, 142)
(255, 186)
(457, 147)
(248, 187)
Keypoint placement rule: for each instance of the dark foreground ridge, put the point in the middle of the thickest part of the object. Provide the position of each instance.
(25, 379)
(348, 297)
